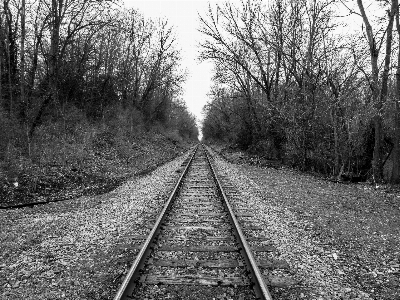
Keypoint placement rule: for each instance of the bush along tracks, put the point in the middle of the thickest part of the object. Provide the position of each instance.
(106, 171)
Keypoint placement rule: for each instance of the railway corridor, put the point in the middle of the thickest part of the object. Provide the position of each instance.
(197, 253)
(311, 239)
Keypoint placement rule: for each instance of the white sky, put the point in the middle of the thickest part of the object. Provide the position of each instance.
(183, 16)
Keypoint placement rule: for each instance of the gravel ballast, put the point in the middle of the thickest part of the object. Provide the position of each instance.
(82, 248)
(336, 244)
(338, 241)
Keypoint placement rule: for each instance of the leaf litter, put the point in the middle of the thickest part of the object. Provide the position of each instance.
(341, 241)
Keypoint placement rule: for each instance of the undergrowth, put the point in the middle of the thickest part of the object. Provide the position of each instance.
(72, 156)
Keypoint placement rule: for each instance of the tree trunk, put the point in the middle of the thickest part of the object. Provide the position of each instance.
(56, 8)
(379, 95)
(22, 57)
(374, 53)
(24, 103)
(55, 40)
(304, 148)
(35, 56)
(336, 141)
(377, 165)
(279, 36)
(395, 176)
(34, 64)
(1, 59)
(11, 51)
(385, 74)
(10, 81)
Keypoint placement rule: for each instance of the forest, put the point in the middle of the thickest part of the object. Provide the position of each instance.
(312, 83)
(79, 76)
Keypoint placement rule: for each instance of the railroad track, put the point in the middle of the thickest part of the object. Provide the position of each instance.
(196, 248)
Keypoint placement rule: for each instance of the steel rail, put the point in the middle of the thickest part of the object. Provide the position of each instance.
(128, 284)
(260, 287)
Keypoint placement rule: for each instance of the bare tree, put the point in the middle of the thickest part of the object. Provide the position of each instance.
(1, 58)
(395, 176)
(379, 90)
(10, 48)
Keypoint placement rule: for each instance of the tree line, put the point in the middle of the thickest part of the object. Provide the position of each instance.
(292, 82)
(95, 57)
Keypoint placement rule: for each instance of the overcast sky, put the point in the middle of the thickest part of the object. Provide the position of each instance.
(183, 16)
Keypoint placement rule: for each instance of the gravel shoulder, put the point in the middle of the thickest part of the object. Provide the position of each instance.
(341, 241)
(82, 248)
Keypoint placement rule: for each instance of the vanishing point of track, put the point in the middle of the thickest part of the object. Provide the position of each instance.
(196, 248)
